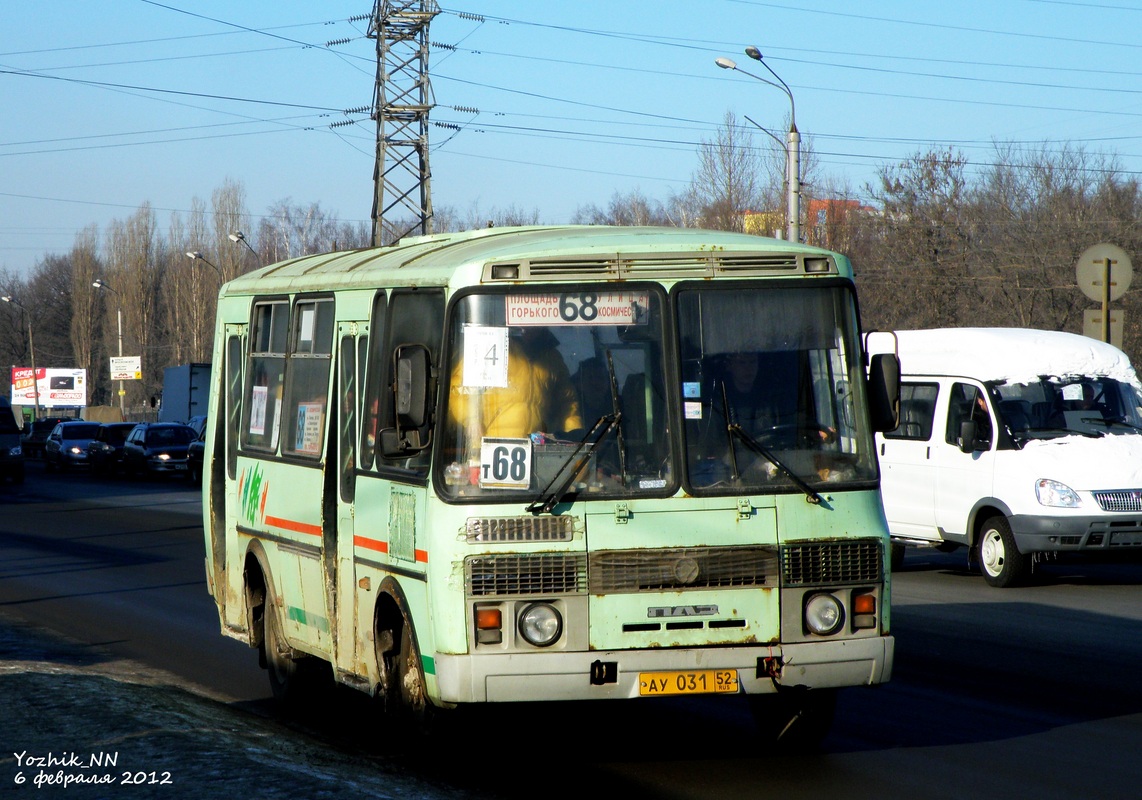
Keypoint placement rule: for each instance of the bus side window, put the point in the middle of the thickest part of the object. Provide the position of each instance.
(311, 353)
(416, 317)
(261, 417)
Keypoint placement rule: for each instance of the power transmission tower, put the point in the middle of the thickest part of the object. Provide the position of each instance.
(401, 176)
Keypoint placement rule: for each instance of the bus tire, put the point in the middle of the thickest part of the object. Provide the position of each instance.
(1000, 561)
(405, 694)
(292, 680)
(795, 720)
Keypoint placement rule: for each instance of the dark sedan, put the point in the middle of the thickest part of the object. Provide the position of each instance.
(194, 456)
(105, 453)
(157, 448)
(66, 445)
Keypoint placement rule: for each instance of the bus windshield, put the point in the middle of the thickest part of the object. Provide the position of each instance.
(1052, 407)
(557, 388)
(769, 376)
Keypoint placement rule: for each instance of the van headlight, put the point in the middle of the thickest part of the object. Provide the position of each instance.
(540, 624)
(824, 614)
(1055, 494)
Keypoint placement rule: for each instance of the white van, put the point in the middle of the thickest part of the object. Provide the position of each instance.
(1013, 443)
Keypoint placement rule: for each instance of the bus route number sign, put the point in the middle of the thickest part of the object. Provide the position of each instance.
(583, 308)
(505, 464)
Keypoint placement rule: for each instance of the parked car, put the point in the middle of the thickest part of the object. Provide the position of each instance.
(66, 445)
(198, 423)
(11, 447)
(194, 455)
(105, 453)
(156, 448)
(37, 433)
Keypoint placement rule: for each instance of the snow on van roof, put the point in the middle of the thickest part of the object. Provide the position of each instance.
(1014, 355)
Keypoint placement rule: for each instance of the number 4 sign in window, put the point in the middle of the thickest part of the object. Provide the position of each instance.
(505, 463)
(485, 356)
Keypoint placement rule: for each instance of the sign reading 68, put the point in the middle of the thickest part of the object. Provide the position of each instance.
(505, 463)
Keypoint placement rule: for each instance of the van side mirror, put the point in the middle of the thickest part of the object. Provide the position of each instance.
(412, 393)
(967, 440)
(884, 391)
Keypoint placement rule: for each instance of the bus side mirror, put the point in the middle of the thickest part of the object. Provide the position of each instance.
(884, 391)
(412, 392)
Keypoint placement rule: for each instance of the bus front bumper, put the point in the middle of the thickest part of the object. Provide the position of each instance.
(539, 676)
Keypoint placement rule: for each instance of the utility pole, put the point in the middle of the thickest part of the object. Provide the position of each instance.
(401, 177)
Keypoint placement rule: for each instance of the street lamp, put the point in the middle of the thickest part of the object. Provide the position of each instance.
(194, 255)
(7, 298)
(792, 148)
(99, 283)
(238, 236)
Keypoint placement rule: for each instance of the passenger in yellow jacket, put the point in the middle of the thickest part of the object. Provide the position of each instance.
(539, 396)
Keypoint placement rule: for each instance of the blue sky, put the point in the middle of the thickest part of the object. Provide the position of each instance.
(108, 104)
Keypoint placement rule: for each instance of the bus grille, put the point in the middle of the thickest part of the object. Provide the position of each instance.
(520, 529)
(1121, 500)
(682, 568)
(826, 563)
(526, 574)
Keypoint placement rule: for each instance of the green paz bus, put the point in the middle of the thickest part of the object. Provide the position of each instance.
(553, 463)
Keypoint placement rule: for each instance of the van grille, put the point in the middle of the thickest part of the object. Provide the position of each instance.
(1120, 500)
(825, 563)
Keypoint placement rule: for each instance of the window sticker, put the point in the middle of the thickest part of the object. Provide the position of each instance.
(692, 410)
(485, 356)
(691, 389)
(505, 463)
(308, 439)
(258, 401)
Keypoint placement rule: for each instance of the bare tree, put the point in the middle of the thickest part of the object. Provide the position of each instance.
(136, 269)
(85, 268)
(726, 183)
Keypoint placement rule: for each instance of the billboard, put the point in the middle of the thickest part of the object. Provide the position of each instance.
(58, 388)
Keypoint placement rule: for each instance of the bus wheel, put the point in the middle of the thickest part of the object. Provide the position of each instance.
(291, 679)
(402, 677)
(795, 720)
(999, 558)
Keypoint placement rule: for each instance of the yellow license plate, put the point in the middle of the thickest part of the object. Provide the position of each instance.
(702, 681)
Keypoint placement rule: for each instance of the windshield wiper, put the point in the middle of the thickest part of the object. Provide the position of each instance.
(549, 498)
(763, 451)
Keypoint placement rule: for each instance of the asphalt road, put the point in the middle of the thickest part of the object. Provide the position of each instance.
(109, 642)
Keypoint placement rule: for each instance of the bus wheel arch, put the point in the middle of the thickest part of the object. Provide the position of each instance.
(401, 685)
(256, 582)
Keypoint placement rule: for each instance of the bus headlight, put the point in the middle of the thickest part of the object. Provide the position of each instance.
(823, 614)
(1058, 495)
(540, 624)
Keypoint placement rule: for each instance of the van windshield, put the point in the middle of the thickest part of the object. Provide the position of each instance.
(1052, 407)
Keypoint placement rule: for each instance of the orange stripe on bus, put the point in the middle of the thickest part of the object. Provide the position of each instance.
(371, 544)
(293, 525)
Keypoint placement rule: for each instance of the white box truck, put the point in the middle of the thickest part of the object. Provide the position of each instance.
(1016, 444)
(186, 392)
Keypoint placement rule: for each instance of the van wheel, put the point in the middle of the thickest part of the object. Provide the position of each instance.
(1002, 563)
(897, 556)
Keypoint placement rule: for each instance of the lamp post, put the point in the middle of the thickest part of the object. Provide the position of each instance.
(238, 236)
(99, 283)
(7, 298)
(793, 145)
(194, 255)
